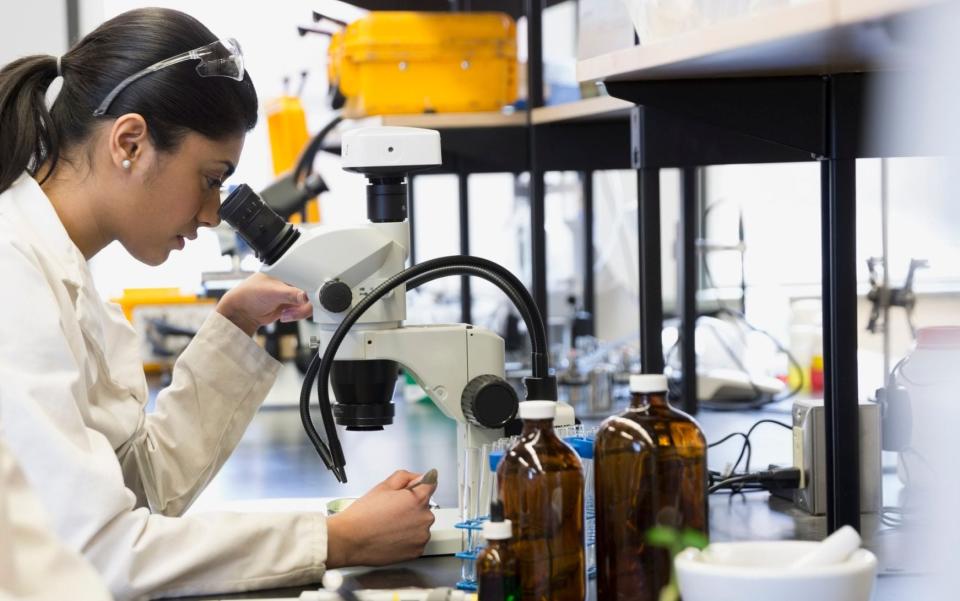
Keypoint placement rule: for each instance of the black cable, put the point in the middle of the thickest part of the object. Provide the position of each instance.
(723, 308)
(305, 162)
(330, 451)
(728, 437)
(726, 482)
(754, 427)
(516, 299)
(746, 450)
(758, 399)
(773, 479)
(790, 394)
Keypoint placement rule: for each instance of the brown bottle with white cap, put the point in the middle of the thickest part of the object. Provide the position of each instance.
(497, 563)
(650, 465)
(541, 484)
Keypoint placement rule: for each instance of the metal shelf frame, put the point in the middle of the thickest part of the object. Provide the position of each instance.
(689, 124)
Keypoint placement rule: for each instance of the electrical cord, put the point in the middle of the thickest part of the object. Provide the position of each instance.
(330, 451)
(784, 478)
(305, 163)
(895, 517)
(759, 399)
(724, 308)
(734, 481)
(793, 360)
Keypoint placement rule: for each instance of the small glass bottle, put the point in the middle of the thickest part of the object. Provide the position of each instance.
(497, 565)
(541, 484)
(650, 469)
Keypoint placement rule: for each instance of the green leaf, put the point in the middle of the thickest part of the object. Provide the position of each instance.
(669, 593)
(693, 538)
(662, 536)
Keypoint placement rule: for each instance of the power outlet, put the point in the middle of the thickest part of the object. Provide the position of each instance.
(810, 456)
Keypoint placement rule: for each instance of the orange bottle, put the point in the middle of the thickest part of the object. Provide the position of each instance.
(541, 484)
(650, 465)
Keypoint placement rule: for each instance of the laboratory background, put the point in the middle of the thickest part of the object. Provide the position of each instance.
(725, 232)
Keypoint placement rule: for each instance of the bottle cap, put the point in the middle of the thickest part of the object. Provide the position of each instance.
(538, 409)
(644, 383)
(498, 530)
(947, 337)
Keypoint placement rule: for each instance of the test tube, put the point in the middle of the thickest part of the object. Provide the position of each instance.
(483, 490)
(584, 448)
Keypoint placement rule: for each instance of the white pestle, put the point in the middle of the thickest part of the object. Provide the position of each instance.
(836, 548)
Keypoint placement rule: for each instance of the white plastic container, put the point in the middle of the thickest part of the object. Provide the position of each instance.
(762, 571)
(930, 376)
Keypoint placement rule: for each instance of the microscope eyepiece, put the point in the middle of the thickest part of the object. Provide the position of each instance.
(266, 232)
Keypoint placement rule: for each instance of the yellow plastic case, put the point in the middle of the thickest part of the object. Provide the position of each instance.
(414, 62)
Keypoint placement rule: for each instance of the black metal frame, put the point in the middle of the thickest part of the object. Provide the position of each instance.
(687, 285)
(759, 120)
(589, 293)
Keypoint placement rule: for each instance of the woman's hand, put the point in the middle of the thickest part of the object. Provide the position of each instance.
(260, 300)
(386, 525)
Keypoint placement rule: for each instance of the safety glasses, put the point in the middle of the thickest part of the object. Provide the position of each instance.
(222, 58)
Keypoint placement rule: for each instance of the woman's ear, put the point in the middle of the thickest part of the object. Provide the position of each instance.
(128, 140)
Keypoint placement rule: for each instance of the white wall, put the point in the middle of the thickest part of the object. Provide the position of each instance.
(40, 30)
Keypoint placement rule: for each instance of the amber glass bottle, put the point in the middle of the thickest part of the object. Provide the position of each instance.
(497, 578)
(541, 484)
(650, 464)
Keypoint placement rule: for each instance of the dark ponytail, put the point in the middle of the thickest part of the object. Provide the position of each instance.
(173, 100)
(24, 136)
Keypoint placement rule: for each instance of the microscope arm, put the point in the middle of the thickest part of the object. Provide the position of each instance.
(443, 359)
(357, 259)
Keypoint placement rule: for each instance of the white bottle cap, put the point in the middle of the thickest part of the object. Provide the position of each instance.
(538, 409)
(498, 530)
(645, 383)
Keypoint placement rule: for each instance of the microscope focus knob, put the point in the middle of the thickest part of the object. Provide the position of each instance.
(335, 296)
(489, 401)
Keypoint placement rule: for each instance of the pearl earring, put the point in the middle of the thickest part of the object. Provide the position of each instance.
(125, 163)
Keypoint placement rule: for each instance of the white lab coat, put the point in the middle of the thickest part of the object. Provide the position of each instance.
(113, 478)
(34, 565)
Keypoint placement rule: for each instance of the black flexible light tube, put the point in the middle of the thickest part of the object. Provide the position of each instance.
(305, 162)
(319, 368)
(442, 272)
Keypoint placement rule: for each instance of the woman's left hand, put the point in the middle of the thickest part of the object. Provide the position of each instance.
(260, 300)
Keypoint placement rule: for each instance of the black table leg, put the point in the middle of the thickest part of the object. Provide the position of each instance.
(841, 394)
(687, 288)
(589, 295)
(651, 291)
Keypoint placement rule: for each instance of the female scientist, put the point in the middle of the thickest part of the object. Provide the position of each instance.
(150, 119)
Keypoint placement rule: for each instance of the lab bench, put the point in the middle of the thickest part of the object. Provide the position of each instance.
(274, 459)
(788, 85)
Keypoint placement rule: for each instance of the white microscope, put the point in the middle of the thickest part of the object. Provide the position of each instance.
(356, 279)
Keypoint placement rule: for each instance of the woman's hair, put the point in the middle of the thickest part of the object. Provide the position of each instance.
(173, 100)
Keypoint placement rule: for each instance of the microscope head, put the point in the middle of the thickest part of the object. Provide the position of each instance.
(390, 152)
(386, 155)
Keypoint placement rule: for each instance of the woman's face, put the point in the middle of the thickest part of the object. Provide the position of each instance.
(179, 193)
